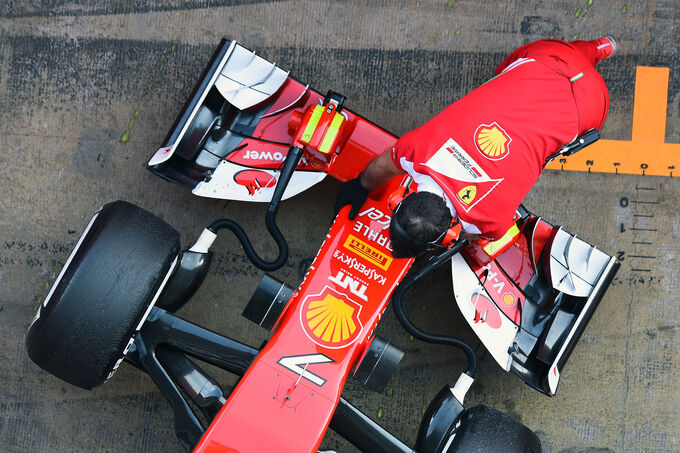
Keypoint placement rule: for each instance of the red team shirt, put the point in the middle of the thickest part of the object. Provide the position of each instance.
(486, 151)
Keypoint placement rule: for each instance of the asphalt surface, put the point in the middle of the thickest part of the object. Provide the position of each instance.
(89, 89)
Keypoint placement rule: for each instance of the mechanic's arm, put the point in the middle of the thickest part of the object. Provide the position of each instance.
(378, 171)
(355, 191)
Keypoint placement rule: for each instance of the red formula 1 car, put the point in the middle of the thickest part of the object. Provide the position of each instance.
(250, 132)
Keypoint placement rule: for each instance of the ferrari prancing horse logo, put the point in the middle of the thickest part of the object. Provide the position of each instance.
(467, 194)
(492, 141)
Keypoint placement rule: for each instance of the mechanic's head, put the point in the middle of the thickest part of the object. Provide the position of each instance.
(419, 222)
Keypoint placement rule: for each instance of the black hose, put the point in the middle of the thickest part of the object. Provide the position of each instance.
(248, 247)
(427, 337)
(292, 159)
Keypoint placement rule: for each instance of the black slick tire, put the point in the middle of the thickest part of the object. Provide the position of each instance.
(484, 429)
(102, 295)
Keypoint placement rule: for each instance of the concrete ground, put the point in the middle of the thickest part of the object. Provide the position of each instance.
(88, 90)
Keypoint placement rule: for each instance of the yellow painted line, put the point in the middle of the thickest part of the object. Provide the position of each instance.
(646, 153)
(621, 156)
(649, 107)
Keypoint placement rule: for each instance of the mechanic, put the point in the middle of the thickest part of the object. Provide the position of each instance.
(475, 161)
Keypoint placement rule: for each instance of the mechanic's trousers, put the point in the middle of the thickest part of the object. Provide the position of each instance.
(576, 60)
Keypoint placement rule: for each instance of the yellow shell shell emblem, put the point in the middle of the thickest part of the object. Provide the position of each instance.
(331, 319)
(508, 299)
(492, 141)
(467, 194)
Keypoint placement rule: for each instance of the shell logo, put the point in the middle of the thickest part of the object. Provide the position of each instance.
(316, 163)
(508, 299)
(492, 141)
(331, 320)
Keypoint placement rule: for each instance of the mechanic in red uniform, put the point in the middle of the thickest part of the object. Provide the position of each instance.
(476, 161)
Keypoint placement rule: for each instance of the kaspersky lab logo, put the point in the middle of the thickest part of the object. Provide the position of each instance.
(492, 141)
(331, 319)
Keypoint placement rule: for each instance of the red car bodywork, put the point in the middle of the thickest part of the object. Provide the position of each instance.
(360, 140)
(287, 397)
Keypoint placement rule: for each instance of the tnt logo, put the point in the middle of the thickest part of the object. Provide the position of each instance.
(347, 282)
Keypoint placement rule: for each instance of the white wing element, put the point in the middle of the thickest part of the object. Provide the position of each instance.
(496, 338)
(247, 79)
(575, 266)
(255, 185)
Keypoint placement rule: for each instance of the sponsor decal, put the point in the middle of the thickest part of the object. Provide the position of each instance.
(378, 216)
(454, 163)
(347, 282)
(492, 141)
(373, 235)
(298, 364)
(492, 280)
(508, 299)
(356, 265)
(331, 319)
(486, 311)
(467, 194)
(366, 251)
(266, 159)
(254, 180)
(263, 155)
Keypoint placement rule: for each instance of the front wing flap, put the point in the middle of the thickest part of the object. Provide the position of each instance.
(537, 346)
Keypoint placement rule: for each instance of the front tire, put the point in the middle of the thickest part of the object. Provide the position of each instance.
(103, 294)
(483, 429)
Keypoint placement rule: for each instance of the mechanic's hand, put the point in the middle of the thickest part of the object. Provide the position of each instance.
(351, 192)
